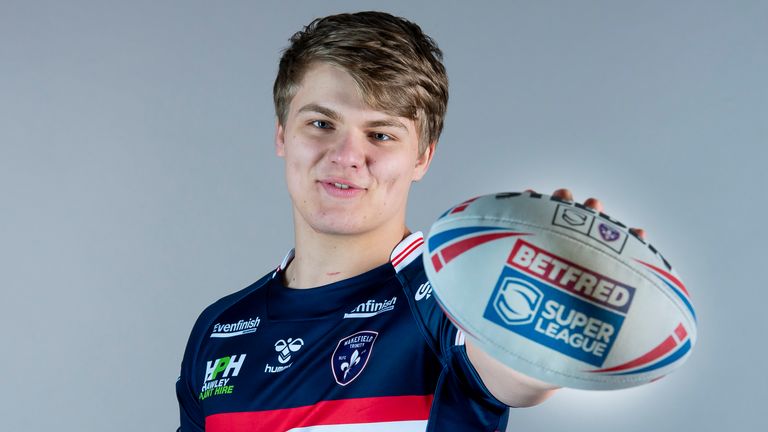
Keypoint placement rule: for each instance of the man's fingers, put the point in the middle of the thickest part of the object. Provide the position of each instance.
(563, 194)
(567, 195)
(594, 203)
(638, 232)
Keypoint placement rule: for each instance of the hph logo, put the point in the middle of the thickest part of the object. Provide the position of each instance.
(224, 367)
(516, 301)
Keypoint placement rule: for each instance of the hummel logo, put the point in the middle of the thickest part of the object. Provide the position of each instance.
(284, 348)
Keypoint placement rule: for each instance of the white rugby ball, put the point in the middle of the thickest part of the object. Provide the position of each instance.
(559, 292)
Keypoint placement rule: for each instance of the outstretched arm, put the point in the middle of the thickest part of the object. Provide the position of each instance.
(507, 385)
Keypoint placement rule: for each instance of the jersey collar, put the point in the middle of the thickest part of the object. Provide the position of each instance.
(283, 265)
(407, 250)
(404, 253)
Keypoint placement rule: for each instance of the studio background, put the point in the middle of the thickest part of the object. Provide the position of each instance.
(138, 181)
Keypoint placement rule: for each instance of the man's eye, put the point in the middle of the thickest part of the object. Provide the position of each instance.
(380, 136)
(321, 124)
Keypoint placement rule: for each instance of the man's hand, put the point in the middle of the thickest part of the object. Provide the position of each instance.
(506, 384)
(593, 203)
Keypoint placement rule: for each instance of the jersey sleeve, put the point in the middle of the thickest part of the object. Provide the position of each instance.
(190, 411)
(462, 401)
(445, 339)
(188, 385)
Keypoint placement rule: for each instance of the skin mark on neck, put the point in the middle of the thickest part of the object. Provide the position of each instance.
(333, 273)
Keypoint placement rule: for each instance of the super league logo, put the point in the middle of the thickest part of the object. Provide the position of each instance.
(516, 301)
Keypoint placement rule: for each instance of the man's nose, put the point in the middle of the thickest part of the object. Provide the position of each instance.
(349, 150)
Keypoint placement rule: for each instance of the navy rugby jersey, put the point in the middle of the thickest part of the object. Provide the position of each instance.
(370, 353)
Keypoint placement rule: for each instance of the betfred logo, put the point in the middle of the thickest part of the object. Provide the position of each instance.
(559, 304)
(571, 277)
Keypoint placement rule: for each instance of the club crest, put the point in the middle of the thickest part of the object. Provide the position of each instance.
(351, 355)
(608, 233)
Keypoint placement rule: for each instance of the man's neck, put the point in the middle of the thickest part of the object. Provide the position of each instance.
(323, 259)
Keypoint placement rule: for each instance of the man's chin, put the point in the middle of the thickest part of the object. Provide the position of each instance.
(338, 228)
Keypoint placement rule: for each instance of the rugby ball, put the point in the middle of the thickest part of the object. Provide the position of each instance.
(559, 292)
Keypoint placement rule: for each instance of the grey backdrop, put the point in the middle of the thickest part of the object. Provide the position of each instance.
(138, 182)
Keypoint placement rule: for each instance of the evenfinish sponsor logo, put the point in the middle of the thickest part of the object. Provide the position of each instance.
(559, 304)
(371, 308)
(235, 329)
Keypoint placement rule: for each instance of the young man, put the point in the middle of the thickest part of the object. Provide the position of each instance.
(345, 334)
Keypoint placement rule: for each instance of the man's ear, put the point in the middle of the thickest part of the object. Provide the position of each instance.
(422, 163)
(279, 139)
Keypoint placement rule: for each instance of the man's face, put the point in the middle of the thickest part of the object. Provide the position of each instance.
(348, 167)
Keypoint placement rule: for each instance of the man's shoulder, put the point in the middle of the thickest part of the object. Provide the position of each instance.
(223, 305)
(226, 302)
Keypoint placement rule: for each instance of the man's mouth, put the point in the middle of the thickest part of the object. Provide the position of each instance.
(342, 188)
(341, 185)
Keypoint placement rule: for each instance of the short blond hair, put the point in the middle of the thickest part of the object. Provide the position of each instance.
(397, 67)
